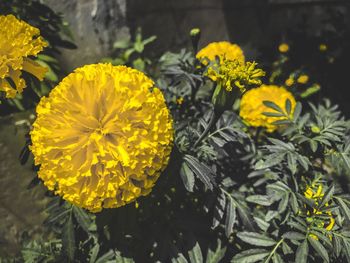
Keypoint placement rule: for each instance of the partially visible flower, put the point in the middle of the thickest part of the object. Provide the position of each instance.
(315, 192)
(252, 106)
(289, 82)
(179, 100)
(18, 42)
(283, 48)
(220, 49)
(303, 79)
(102, 136)
(233, 73)
(323, 47)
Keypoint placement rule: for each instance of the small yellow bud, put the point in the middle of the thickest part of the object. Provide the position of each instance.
(179, 100)
(289, 82)
(195, 32)
(323, 47)
(303, 79)
(315, 129)
(283, 48)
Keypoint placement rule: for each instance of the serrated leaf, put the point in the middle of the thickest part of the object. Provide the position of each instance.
(288, 106)
(256, 239)
(68, 239)
(187, 177)
(204, 173)
(217, 255)
(344, 208)
(195, 254)
(294, 235)
(250, 256)
(84, 220)
(230, 217)
(302, 252)
(320, 249)
(272, 105)
(260, 200)
(327, 196)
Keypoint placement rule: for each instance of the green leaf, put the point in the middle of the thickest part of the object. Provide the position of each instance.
(256, 239)
(94, 253)
(84, 220)
(195, 254)
(276, 258)
(294, 235)
(250, 256)
(230, 217)
(180, 259)
(272, 105)
(344, 208)
(122, 43)
(260, 200)
(273, 114)
(320, 249)
(203, 172)
(187, 177)
(108, 256)
(149, 40)
(297, 111)
(288, 106)
(294, 203)
(217, 255)
(68, 239)
(302, 252)
(327, 196)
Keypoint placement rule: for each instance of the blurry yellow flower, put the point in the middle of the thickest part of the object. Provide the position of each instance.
(102, 136)
(283, 48)
(289, 82)
(180, 100)
(303, 79)
(323, 47)
(252, 107)
(18, 42)
(221, 49)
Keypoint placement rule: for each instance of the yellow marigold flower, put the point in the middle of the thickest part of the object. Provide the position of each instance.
(221, 49)
(102, 136)
(289, 82)
(303, 79)
(18, 41)
(232, 73)
(252, 107)
(323, 47)
(283, 48)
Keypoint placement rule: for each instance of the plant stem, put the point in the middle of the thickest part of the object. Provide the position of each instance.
(274, 250)
(213, 119)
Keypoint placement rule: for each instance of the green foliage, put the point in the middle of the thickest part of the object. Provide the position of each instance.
(131, 52)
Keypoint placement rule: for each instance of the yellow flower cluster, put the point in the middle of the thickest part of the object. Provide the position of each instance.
(232, 73)
(252, 107)
(222, 50)
(18, 41)
(102, 136)
(315, 192)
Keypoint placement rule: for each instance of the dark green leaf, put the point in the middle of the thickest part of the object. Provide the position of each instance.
(68, 239)
(187, 177)
(320, 249)
(195, 254)
(273, 106)
(327, 196)
(217, 255)
(302, 252)
(250, 256)
(256, 239)
(230, 217)
(204, 173)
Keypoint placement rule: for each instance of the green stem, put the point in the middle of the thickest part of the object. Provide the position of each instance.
(213, 119)
(274, 250)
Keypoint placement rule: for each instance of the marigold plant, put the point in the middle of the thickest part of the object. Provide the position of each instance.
(102, 136)
(18, 42)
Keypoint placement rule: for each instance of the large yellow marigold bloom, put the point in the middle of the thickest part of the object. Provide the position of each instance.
(221, 49)
(18, 41)
(252, 107)
(102, 136)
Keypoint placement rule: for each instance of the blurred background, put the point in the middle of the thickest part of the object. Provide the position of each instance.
(258, 26)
